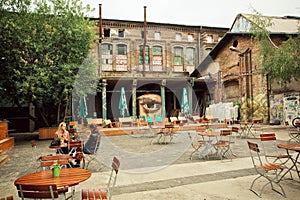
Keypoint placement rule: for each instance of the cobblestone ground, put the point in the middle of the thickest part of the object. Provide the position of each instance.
(137, 149)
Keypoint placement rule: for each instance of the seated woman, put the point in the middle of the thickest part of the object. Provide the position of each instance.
(63, 135)
(91, 144)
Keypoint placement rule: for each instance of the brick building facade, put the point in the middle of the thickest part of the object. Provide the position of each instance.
(172, 53)
(238, 73)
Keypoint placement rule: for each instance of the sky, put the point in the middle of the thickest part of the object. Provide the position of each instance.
(213, 13)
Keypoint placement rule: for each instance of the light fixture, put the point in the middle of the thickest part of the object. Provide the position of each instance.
(232, 48)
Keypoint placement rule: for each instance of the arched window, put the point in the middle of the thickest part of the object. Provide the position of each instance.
(107, 57)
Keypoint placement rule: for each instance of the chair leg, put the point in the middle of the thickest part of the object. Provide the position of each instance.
(270, 181)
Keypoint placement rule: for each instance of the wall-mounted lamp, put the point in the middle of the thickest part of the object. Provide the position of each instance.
(241, 53)
(232, 48)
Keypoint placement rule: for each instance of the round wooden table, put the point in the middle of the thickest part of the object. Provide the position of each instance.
(68, 177)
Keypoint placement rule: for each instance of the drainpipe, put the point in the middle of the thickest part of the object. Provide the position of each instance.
(100, 41)
(145, 40)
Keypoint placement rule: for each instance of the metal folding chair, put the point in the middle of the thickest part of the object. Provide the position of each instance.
(101, 194)
(196, 144)
(7, 198)
(37, 191)
(235, 132)
(223, 145)
(269, 171)
(62, 159)
(271, 151)
(91, 148)
(294, 132)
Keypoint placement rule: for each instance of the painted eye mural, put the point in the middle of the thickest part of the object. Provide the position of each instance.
(150, 105)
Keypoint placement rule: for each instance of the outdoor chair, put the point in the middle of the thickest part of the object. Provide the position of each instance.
(174, 120)
(269, 171)
(46, 162)
(294, 133)
(235, 132)
(223, 144)
(257, 125)
(109, 124)
(271, 151)
(168, 131)
(62, 159)
(222, 125)
(196, 119)
(183, 120)
(101, 194)
(37, 191)
(76, 151)
(91, 148)
(97, 121)
(7, 198)
(196, 144)
(125, 121)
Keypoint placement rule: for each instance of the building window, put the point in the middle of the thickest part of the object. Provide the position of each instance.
(157, 36)
(121, 33)
(121, 49)
(190, 38)
(121, 57)
(157, 58)
(107, 56)
(178, 37)
(207, 51)
(178, 55)
(209, 39)
(190, 56)
(106, 32)
(146, 55)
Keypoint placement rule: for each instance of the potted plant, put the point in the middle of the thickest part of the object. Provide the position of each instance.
(56, 169)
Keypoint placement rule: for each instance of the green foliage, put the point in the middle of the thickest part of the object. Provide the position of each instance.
(42, 46)
(281, 64)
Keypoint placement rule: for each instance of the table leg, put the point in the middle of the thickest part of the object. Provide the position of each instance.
(250, 131)
(294, 164)
(208, 148)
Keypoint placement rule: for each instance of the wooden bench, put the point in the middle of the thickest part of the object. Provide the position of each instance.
(125, 121)
(109, 124)
(97, 121)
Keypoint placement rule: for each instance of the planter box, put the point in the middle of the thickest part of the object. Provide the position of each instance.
(47, 133)
(3, 130)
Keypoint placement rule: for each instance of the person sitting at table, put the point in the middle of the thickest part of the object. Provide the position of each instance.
(63, 135)
(90, 145)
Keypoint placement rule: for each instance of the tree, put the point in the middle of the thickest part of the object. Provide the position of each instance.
(42, 46)
(280, 63)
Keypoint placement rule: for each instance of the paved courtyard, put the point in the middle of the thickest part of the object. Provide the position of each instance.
(154, 171)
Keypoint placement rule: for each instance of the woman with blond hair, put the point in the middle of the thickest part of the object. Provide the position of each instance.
(63, 135)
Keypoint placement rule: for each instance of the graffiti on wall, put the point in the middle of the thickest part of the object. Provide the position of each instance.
(276, 108)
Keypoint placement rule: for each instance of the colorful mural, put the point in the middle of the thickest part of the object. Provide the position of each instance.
(150, 105)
